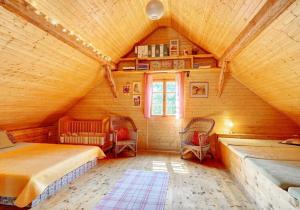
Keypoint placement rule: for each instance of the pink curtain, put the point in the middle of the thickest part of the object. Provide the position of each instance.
(148, 94)
(180, 95)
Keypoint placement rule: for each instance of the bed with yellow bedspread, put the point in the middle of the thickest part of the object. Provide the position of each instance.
(27, 169)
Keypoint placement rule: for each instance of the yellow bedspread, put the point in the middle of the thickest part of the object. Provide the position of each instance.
(25, 172)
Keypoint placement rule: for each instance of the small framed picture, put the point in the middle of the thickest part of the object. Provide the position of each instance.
(137, 101)
(136, 88)
(126, 88)
(199, 89)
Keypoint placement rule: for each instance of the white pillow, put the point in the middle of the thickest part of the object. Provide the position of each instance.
(291, 141)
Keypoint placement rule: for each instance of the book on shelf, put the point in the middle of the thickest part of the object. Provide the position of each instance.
(149, 51)
(204, 66)
(153, 50)
(166, 50)
(126, 68)
(157, 50)
(161, 50)
(142, 66)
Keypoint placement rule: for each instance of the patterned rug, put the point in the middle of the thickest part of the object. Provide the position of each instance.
(137, 190)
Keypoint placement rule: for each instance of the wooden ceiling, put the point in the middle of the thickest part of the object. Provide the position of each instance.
(115, 26)
(40, 77)
(268, 66)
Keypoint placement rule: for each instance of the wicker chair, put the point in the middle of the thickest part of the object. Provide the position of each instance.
(117, 122)
(204, 127)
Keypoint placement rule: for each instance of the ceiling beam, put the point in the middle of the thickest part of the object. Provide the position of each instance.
(110, 79)
(30, 14)
(224, 69)
(265, 16)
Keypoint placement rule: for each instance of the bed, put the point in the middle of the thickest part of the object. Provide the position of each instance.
(268, 170)
(31, 172)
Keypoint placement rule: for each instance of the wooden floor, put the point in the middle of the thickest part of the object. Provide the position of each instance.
(192, 186)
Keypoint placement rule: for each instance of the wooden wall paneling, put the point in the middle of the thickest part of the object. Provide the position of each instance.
(41, 77)
(264, 17)
(270, 65)
(248, 112)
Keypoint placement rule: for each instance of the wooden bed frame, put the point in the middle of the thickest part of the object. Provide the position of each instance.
(85, 132)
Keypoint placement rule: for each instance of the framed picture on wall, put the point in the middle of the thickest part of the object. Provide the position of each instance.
(126, 88)
(198, 89)
(136, 100)
(136, 88)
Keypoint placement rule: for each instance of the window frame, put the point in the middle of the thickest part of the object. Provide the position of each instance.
(164, 81)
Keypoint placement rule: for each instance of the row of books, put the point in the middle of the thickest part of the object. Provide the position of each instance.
(154, 50)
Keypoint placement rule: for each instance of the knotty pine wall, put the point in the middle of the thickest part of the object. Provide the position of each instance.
(270, 65)
(248, 112)
(40, 76)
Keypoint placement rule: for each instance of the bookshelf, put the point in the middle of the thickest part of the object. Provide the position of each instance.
(187, 60)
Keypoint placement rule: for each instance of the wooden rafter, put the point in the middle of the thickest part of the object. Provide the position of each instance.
(30, 14)
(110, 80)
(267, 14)
(224, 69)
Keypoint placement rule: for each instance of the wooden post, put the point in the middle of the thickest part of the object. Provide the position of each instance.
(110, 80)
(222, 77)
(30, 14)
(266, 15)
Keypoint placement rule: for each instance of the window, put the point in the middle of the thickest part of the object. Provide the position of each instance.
(163, 98)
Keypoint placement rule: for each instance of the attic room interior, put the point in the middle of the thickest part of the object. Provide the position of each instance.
(149, 104)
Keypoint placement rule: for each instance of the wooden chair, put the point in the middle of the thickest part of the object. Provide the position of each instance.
(117, 122)
(204, 127)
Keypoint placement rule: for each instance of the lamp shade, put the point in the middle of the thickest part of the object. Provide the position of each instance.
(155, 9)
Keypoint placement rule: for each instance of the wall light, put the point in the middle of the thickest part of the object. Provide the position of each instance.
(228, 126)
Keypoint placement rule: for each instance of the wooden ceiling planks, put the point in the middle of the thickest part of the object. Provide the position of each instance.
(51, 26)
(112, 26)
(41, 77)
(213, 24)
(115, 26)
(264, 17)
(270, 65)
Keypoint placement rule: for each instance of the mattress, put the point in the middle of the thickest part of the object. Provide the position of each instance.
(26, 170)
(252, 142)
(284, 174)
(262, 149)
(291, 153)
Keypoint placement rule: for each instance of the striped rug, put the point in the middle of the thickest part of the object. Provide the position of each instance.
(137, 190)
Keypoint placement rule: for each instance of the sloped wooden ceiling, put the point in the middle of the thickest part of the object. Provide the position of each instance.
(270, 65)
(40, 77)
(115, 26)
